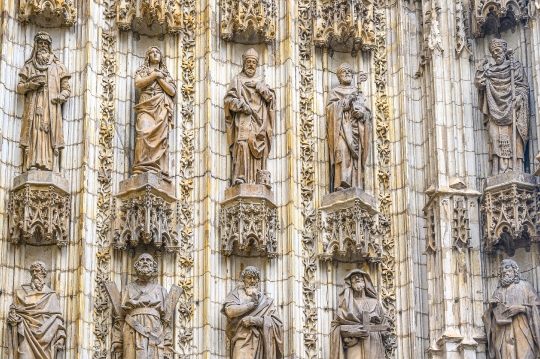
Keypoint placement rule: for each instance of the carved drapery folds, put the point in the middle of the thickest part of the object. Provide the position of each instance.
(47, 13)
(496, 16)
(248, 21)
(344, 25)
(249, 224)
(509, 210)
(39, 209)
(150, 17)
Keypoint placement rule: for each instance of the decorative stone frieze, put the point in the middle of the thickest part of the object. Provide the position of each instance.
(509, 210)
(496, 16)
(146, 213)
(39, 209)
(248, 221)
(149, 17)
(347, 227)
(248, 22)
(46, 13)
(344, 25)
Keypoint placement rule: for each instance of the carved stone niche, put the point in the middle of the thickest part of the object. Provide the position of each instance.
(509, 212)
(344, 25)
(39, 209)
(248, 221)
(149, 17)
(146, 213)
(347, 227)
(496, 16)
(248, 22)
(47, 13)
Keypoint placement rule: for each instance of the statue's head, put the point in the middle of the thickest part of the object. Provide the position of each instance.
(154, 56)
(251, 277)
(508, 273)
(498, 48)
(250, 60)
(359, 281)
(146, 266)
(42, 47)
(345, 74)
(38, 270)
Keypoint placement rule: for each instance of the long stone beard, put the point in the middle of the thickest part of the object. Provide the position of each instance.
(145, 271)
(506, 281)
(252, 290)
(38, 283)
(43, 56)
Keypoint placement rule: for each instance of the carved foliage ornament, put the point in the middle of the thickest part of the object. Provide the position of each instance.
(344, 25)
(39, 215)
(248, 21)
(150, 17)
(496, 16)
(48, 13)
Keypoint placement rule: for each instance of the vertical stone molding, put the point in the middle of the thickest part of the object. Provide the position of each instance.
(46, 13)
(344, 25)
(496, 16)
(150, 17)
(39, 209)
(248, 22)
(509, 210)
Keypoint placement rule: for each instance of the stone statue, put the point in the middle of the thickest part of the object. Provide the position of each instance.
(504, 101)
(249, 118)
(44, 81)
(512, 318)
(154, 114)
(36, 324)
(360, 323)
(143, 315)
(253, 324)
(348, 121)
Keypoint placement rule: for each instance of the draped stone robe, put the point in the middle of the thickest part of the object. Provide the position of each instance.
(254, 342)
(249, 136)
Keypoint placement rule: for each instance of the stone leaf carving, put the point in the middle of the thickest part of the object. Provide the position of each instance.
(254, 326)
(496, 16)
(47, 13)
(39, 212)
(463, 40)
(150, 17)
(344, 25)
(35, 322)
(248, 21)
(513, 308)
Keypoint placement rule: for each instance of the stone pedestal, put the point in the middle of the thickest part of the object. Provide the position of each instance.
(146, 213)
(248, 221)
(39, 209)
(509, 209)
(346, 222)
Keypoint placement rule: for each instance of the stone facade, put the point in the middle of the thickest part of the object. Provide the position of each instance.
(429, 224)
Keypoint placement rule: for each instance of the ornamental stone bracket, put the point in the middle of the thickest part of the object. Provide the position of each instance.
(39, 209)
(150, 17)
(496, 16)
(248, 21)
(248, 221)
(509, 212)
(146, 214)
(47, 13)
(344, 25)
(347, 230)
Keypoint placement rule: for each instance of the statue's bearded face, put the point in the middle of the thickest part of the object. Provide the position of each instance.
(251, 284)
(507, 274)
(250, 66)
(145, 266)
(38, 278)
(42, 54)
(499, 54)
(357, 282)
(345, 76)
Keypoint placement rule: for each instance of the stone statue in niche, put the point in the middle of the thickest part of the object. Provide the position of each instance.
(360, 323)
(36, 326)
(249, 119)
(44, 82)
(504, 101)
(512, 318)
(154, 113)
(253, 324)
(143, 315)
(348, 121)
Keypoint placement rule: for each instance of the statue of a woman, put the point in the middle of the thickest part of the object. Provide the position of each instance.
(154, 114)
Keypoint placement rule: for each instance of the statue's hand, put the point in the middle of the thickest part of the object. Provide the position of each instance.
(515, 309)
(246, 322)
(116, 347)
(59, 100)
(59, 345)
(13, 318)
(158, 74)
(35, 84)
(245, 108)
(494, 301)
